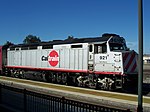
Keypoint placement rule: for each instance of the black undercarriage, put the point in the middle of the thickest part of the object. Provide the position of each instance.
(102, 81)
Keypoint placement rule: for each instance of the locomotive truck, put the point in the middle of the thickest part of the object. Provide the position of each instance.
(101, 62)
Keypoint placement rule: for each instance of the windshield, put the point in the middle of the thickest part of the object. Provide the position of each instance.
(117, 47)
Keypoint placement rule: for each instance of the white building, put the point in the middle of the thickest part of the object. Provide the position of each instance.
(146, 58)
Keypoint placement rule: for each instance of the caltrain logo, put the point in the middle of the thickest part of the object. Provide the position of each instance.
(52, 58)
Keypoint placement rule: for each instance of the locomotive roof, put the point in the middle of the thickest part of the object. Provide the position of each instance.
(104, 38)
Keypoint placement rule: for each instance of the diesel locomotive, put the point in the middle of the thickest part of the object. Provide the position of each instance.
(100, 62)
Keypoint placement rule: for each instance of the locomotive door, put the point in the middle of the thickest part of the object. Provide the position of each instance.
(91, 58)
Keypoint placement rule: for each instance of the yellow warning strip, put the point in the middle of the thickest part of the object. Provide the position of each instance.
(80, 90)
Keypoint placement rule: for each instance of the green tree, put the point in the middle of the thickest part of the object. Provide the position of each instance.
(31, 39)
(8, 43)
(70, 37)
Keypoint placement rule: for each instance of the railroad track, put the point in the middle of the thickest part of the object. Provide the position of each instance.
(146, 84)
(66, 88)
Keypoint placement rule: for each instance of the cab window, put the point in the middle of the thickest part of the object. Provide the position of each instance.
(100, 48)
(116, 47)
(90, 48)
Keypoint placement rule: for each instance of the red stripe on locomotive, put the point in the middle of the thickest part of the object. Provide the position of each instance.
(65, 70)
(129, 61)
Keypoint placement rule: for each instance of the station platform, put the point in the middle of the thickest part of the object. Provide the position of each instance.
(98, 97)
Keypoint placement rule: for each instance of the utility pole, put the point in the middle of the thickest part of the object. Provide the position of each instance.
(140, 56)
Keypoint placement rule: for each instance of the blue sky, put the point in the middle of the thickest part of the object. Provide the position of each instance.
(57, 19)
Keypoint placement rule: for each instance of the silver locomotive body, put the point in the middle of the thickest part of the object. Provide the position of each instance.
(103, 62)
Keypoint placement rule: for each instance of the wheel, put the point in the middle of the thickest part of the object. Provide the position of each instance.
(48, 76)
(54, 77)
(58, 78)
(21, 74)
(64, 78)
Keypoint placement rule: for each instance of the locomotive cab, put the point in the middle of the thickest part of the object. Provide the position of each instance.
(112, 61)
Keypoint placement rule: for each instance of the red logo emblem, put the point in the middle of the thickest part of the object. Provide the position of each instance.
(53, 58)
